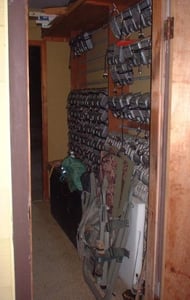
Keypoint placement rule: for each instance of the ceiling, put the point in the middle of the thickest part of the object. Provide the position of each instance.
(39, 4)
(77, 15)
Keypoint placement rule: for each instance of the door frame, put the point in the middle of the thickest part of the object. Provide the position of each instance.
(20, 146)
(45, 179)
(160, 75)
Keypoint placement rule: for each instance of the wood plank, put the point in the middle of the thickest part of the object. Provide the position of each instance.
(84, 18)
(20, 141)
(83, 15)
(157, 154)
(176, 275)
(120, 4)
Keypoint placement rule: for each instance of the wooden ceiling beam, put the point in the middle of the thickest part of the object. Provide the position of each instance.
(55, 11)
(109, 3)
(100, 2)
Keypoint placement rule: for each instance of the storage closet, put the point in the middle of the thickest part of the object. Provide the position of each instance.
(108, 130)
(167, 270)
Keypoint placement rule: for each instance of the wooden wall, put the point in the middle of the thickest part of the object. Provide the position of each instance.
(176, 264)
(20, 147)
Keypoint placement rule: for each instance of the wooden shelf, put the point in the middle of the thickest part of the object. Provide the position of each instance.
(81, 16)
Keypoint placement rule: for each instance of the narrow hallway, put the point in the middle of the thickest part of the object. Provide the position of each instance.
(57, 272)
(57, 268)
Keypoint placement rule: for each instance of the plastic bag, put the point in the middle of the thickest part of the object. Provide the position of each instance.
(73, 168)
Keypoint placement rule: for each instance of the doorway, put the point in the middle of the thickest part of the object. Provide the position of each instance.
(38, 120)
(20, 163)
(35, 122)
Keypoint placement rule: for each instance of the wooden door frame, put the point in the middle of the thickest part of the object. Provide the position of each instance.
(20, 146)
(19, 107)
(45, 179)
(158, 150)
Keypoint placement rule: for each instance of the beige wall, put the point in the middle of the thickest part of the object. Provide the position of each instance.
(34, 31)
(95, 59)
(6, 232)
(58, 87)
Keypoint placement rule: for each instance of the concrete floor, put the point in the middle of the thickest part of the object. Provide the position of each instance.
(57, 268)
(57, 271)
